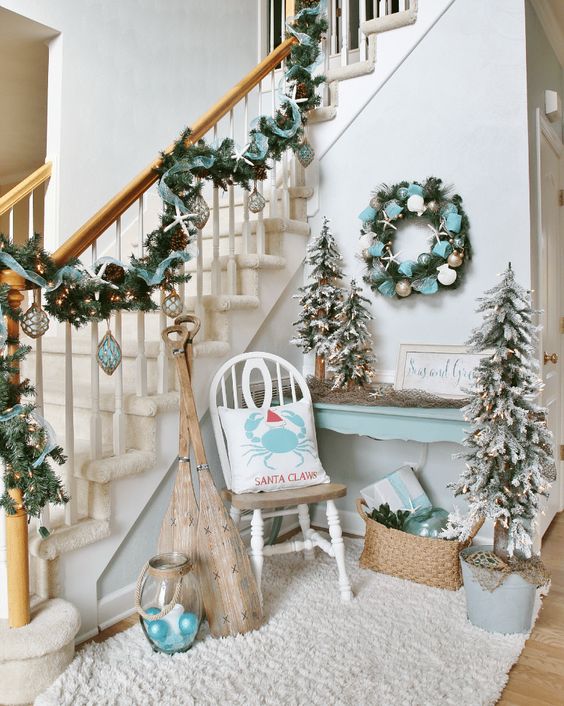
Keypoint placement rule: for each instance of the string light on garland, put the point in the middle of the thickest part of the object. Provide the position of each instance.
(449, 245)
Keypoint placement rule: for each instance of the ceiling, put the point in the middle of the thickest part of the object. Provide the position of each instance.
(24, 57)
(551, 16)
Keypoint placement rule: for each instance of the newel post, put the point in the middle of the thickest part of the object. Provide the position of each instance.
(16, 525)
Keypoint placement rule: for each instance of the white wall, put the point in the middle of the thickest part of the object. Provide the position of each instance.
(125, 78)
(456, 109)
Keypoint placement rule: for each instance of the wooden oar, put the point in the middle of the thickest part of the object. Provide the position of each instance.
(230, 592)
(179, 525)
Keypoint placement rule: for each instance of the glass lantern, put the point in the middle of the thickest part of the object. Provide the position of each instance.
(169, 603)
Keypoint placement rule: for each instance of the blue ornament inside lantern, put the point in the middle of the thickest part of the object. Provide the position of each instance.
(169, 591)
(427, 522)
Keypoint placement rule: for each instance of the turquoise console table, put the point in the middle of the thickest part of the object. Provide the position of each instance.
(406, 423)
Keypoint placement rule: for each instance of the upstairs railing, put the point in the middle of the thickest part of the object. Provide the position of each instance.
(119, 226)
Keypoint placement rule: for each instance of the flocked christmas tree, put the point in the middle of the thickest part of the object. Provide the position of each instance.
(509, 461)
(351, 356)
(320, 298)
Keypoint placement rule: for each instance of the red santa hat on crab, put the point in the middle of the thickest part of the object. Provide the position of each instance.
(274, 419)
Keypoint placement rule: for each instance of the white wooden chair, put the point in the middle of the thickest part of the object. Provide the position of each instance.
(233, 386)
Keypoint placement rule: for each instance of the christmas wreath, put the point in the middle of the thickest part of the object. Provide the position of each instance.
(442, 266)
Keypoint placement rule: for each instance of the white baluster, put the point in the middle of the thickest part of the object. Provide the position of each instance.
(119, 416)
(215, 264)
(271, 17)
(285, 194)
(273, 209)
(11, 225)
(95, 417)
(200, 311)
(382, 8)
(345, 33)
(260, 234)
(70, 483)
(3, 556)
(257, 545)
(231, 261)
(162, 360)
(246, 224)
(31, 214)
(38, 359)
(361, 35)
(334, 22)
(141, 355)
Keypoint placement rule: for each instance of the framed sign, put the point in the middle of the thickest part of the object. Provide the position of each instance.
(447, 371)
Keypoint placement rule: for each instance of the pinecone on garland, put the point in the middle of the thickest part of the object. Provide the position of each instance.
(302, 91)
(114, 273)
(179, 240)
(261, 172)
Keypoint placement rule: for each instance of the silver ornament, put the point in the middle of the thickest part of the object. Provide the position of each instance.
(403, 288)
(305, 154)
(108, 354)
(455, 259)
(256, 201)
(172, 305)
(197, 204)
(35, 321)
(375, 203)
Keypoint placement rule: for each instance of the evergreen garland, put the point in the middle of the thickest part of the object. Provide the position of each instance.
(351, 355)
(76, 295)
(509, 458)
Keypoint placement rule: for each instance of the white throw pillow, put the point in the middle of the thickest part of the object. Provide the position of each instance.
(272, 449)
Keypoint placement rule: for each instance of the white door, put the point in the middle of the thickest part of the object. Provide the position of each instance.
(548, 296)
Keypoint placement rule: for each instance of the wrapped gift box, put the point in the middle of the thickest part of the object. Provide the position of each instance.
(400, 489)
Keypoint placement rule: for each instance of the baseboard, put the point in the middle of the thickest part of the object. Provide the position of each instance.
(116, 606)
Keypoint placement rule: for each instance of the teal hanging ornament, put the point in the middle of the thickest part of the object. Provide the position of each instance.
(305, 154)
(172, 305)
(427, 522)
(256, 201)
(35, 321)
(108, 353)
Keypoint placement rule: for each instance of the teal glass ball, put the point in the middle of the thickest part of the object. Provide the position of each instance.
(424, 258)
(459, 242)
(427, 522)
(188, 624)
(157, 629)
(402, 192)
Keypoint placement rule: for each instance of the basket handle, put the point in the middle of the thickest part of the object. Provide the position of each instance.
(360, 504)
(166, 609)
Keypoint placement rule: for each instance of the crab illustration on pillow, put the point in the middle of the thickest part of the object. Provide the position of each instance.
(272, 449)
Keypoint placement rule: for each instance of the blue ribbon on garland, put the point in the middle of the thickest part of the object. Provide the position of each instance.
(51, 440)
(12, 412)
(301, 36)
(156, 277)
(67, 271)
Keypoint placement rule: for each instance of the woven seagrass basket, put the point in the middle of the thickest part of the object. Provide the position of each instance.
(433, 562)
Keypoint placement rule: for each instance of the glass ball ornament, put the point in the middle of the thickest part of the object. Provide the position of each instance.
(455, 259)
(403, 288)
(459, 242)
(432, 206)
(34, 321)
(108, 353)
(375, 203)
(172, 305)
(256, 201)
(427, 522)
(197, 204)
(402, 192)
(424, 258)
(169, 583)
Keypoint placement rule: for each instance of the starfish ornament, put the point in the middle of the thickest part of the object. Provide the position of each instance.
(294, 94)
(390, 257)
(386, 222)
(239, 155)
(180, 219)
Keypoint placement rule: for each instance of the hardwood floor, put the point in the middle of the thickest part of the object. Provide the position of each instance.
(537, 679)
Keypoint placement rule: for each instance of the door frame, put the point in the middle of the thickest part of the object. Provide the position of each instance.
(544, 129)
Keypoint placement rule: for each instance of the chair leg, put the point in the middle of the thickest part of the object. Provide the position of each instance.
(257, 545)
(303, 517)
(334, 523)
(235, 515)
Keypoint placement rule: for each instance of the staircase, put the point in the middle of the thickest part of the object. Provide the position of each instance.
(120, 433)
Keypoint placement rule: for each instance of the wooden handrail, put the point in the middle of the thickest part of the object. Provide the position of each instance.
(25, 187)
(108, 214)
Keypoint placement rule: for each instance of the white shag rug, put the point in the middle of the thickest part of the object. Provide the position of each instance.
(396, 643)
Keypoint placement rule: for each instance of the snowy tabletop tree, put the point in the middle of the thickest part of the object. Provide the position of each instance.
(351, 356)
(320, 298)
(509, 457)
